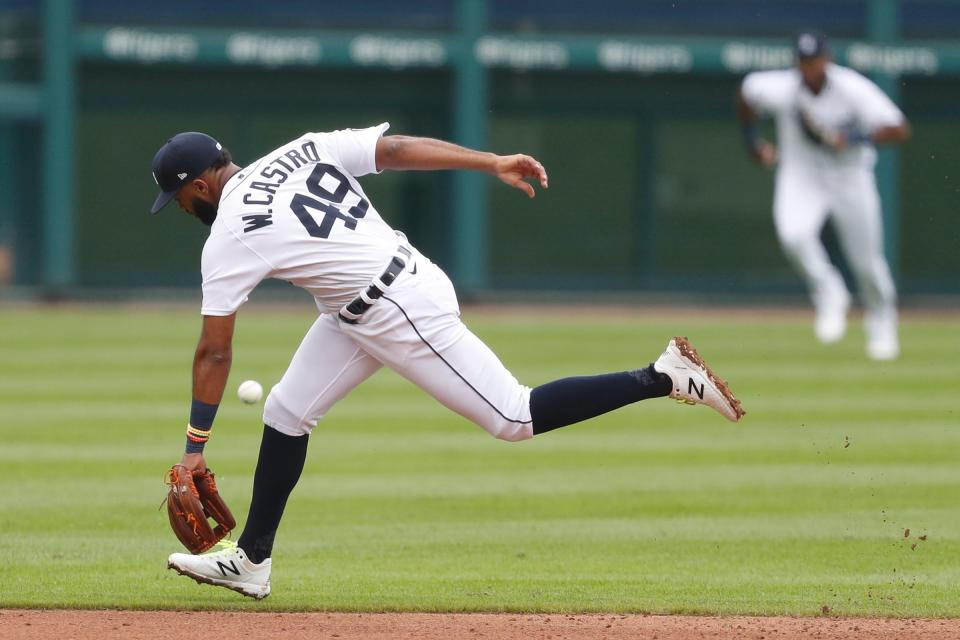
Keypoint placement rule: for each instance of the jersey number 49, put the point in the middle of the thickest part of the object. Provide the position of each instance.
(327, 201)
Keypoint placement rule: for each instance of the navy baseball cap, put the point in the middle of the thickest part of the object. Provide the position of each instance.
(184, 157)
(810, 44)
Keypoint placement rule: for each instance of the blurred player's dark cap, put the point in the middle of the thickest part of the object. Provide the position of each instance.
(810, 44)
(184, 157)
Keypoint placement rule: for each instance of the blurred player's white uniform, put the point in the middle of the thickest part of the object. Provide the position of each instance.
(298, 214)
(814, 182)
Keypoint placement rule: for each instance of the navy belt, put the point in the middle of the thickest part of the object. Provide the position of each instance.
(350, 313)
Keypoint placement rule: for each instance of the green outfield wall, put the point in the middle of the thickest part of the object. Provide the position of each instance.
(650, 189)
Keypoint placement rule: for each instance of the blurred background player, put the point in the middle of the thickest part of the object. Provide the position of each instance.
(828, 119)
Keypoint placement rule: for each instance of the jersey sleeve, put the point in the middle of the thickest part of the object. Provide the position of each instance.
(230, 271)
(354, 149)
(874, 108)
(767, 92)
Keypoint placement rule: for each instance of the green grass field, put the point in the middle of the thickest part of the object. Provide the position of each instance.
(404, 506)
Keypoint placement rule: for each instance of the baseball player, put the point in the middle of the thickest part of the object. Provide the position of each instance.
(299, 214)
(828, 120)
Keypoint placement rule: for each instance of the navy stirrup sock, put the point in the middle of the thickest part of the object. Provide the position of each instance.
(563, 402)
(278, 469)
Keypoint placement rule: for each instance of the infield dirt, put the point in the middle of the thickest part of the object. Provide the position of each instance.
(177, 625)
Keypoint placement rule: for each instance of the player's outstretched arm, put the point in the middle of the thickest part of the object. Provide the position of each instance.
(405, 153)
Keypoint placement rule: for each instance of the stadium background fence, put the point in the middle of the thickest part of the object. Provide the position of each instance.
(628, 104)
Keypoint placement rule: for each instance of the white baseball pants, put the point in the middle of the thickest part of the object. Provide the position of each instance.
(803, 200)
(415, 329)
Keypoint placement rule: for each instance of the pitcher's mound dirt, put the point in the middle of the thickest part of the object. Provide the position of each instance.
(177, 625)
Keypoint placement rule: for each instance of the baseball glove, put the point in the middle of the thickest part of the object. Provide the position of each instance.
(192, 498)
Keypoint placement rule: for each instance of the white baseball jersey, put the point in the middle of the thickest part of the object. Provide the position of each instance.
(847, 100)
(298, 214)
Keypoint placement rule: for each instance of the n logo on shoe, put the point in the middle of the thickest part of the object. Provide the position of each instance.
(692, 388)
(224, 568)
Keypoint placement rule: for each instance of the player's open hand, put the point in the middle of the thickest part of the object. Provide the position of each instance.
(515, 169)
(766, 154)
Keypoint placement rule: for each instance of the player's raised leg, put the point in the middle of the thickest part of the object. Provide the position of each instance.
(439, 354)
(679, 372)
(799, 212)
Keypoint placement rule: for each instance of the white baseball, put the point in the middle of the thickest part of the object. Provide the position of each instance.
(250, 391)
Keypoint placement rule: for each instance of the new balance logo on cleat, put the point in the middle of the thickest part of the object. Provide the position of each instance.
(692, 388)
(223, 568)
(681, 361)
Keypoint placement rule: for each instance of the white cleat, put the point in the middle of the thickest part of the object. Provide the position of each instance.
(883, 350)
(694, 382)
(881, 329)
(830, 326)
(831, 320)
(228, 568)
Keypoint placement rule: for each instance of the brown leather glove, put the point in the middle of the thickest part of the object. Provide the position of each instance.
(191, 500)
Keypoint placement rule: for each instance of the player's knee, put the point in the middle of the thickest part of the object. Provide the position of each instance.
(509, 431)
(284, 418)
(512, 422)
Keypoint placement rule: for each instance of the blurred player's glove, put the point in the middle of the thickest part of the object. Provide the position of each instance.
(192, 499)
